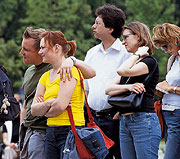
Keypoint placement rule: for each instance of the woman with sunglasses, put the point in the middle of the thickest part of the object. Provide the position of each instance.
(140, 132)
(167, 37)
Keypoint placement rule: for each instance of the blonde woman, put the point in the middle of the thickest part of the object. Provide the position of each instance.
(167, 37)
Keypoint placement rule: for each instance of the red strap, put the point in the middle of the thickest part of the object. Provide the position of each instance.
(82, 150)
(69, 110)
(91, 119)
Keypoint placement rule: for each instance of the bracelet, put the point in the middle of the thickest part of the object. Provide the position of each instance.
(73, 59)
(174, 89)
(138, 55)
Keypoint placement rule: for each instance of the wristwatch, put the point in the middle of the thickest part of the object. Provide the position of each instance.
(73, 59)
(174, 89)
(138, 55)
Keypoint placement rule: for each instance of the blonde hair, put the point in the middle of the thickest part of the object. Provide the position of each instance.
(164, 34)
(34, 34)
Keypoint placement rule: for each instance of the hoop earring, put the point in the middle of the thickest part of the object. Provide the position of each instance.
(175, 43)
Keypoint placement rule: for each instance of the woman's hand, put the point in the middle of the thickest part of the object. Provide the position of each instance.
(39, 99)
(137, 88)
(165, 86)
(142, 51)
(116, 116)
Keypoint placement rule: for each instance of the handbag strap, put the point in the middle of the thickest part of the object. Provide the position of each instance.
(148, 77)
(90, 117)
(71, 119)
(79, 143)
(69, 110)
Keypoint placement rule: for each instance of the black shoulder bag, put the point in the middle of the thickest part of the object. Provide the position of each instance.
(130, 100)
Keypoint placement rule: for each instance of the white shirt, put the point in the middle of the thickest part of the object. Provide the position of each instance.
(173, 78)
(106, 63)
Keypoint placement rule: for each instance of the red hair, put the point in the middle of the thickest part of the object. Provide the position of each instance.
(57, 37)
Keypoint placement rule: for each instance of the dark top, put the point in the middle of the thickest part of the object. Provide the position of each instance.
(31, 79)
(148, 100)
(15, 130)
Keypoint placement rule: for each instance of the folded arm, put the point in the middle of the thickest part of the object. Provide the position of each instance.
(60, 104)
(39, 107)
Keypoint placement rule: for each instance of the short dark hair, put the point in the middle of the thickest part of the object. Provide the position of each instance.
(34, 34)
(112, 17)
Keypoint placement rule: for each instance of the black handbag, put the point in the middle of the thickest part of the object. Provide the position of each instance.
(130, 100)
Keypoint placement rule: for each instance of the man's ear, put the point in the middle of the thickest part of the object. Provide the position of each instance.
(111, 30)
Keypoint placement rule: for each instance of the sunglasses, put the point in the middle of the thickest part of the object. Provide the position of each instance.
(124, 37)
(164, 47)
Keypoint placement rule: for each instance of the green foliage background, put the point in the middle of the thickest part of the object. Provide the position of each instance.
(74, 18)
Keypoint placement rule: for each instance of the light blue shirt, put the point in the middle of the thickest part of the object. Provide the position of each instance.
(106, 63)
(173, 78)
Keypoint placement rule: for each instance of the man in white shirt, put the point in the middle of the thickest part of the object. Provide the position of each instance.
(106, 58)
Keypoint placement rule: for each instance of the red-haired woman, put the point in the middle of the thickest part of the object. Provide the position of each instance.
(53, 95)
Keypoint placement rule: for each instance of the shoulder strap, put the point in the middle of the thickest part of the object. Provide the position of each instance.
(91, 119)
(170, 62)
(81, 148)
(147, 79)
(3, 69)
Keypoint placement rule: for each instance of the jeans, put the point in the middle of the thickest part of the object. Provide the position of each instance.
(172, 121)
(36, 145)
(140, 135)
(111, 128)
(55, 141)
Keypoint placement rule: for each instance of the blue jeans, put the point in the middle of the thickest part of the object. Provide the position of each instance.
(55, 141)
(111, 128)
(36, 145)
(140, 135)
(172, 121)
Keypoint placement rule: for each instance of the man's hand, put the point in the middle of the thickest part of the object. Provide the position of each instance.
(66, 68)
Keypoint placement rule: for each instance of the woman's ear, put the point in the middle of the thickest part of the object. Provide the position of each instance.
(176, 41)
(57, 48)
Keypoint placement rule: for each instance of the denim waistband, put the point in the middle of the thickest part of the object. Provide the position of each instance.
(136, 114)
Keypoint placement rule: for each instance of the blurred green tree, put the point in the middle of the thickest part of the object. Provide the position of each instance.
(73, 18)
(11, 60)
(152, 12)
